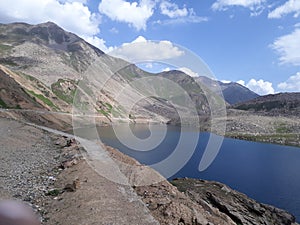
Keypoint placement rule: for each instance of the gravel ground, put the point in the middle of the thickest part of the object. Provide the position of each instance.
(46, 171)
(29, 159)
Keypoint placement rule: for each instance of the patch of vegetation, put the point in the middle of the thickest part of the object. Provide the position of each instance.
(282, 128)
(43, 99)
(28, 77)
(18, 106)
(5, 47)
(265, 106)
(118, 111)
(132, 117)
(106, 109)
(115, 113)
(108, 106)
(8, 62)
(3, 104)
(103, 112)
(66, 96)
(291, 139)
(53, 192)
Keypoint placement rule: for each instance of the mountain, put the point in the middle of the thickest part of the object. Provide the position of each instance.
(233, 92)
(190, 86)
(236, 93)
(61, 71)
(45, 51)
(274, 104)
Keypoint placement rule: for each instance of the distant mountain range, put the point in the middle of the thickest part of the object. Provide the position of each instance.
(43, 66)
(233, 92)
(275, 104)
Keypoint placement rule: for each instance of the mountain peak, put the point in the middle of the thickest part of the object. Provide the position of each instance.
(48, 23)
(34, 45)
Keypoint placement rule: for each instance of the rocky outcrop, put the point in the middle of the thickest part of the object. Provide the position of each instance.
(169, 206)
(196, 202)
(240, 208)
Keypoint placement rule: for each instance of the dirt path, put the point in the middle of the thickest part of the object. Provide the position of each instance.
(27, 157)
(28, 170)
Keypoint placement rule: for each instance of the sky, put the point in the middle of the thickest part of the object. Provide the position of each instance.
(253, 42)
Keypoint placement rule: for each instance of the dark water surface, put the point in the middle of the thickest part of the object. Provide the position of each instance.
(266, 172)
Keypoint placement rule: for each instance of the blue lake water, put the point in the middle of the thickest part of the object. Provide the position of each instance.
(266, 172)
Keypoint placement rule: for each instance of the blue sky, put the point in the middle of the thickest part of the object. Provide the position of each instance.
(254, 42)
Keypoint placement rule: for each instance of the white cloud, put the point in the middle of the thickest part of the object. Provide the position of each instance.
(172, 10)
(114, 30)
(149, 65)
(167, 69)
(226, 81)
(135, 14)
(288, 47)
(81, 1)
(98, 42)
(256, 6)
(292, 84)
(183, 20)
(139, 39)
(260, 87)
(241, 82)
(291, 6)
(188, 72)
(72, 15)
(191, 17)
(142, 49)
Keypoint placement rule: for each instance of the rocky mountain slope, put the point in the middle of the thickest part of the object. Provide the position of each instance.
(21, 91)
(45, 51)
(12, 94)
(71, 72)
(59, 72)
(278, 104)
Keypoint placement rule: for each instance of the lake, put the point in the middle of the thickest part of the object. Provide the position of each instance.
(266, 172)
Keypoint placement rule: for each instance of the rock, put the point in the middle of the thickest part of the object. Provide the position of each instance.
(69, 163)
(72, 187)
(240, 208)
(169, 206)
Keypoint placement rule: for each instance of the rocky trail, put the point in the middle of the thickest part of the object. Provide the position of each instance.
(30, 171)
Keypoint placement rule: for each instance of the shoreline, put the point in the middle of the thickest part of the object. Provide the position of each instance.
(63, 122)
(75, 187)
(289, 139)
